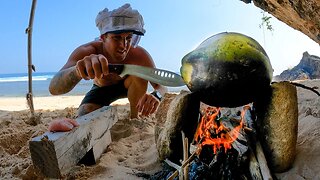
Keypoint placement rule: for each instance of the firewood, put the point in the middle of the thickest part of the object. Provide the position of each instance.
(182, 172)
(176, 173)
(185, 156)
(266, 175)
(254, 167)
(247, 129)
(54, 154)
(172, 164)
(313, 89)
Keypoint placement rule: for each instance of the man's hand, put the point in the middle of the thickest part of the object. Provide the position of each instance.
(62, 125)
(147, 104)
(93, 66)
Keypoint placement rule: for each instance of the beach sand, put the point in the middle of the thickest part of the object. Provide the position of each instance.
(136, 153)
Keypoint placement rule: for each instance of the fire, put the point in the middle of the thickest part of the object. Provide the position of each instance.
(212, 132)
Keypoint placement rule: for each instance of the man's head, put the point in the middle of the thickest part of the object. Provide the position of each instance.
(119, 30)
(117, 45)
(123, 19)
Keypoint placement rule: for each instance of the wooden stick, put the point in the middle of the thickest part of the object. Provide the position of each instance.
(184, 175)
(254, 168)
(265, 171)
(175, 174)
(29, 95)
(185, 163)
(186, 169)
(172, 164)
(190, 158)
(182, 171)
(305, 87)
(247, 129)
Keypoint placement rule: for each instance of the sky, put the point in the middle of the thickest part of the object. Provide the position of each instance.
(173, 29)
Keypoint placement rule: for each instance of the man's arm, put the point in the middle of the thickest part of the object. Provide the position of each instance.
(64, 81)
(75, 69)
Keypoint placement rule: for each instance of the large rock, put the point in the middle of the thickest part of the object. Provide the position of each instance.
(176, 113)
(302, 15)
(278, 126)
(308, 68)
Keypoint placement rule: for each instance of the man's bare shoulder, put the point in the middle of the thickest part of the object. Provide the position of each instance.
(140, 56)
(91, 47)
(87, 49)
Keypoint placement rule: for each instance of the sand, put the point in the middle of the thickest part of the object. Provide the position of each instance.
(134, 153)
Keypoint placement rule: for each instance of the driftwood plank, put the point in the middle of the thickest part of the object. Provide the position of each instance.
(54, 154)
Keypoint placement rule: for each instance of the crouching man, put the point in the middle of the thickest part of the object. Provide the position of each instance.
(120, 32)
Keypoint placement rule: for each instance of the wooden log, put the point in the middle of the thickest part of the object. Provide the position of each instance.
(54, 154)
(277, 125)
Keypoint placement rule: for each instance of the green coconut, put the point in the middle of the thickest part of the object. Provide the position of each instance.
(228, 69)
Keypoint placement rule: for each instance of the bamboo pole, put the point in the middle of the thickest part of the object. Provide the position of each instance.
(29, 95)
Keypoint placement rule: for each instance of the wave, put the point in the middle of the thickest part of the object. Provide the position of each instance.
(25, 78)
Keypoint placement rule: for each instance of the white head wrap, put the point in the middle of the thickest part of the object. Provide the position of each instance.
(120, 20)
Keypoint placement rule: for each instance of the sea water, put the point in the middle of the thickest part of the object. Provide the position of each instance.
(17, 85)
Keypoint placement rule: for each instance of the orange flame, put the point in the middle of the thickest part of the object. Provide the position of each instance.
(209, 126)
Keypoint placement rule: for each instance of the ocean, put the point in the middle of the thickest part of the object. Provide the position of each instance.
(16, 85)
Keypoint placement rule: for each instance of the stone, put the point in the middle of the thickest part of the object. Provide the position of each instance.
(302, 15)
(161, 117)
(277, 124)
(308, 68)
(176, 113)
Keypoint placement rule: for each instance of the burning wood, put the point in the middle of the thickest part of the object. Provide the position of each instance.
(222, 147)
(224, 142)
(218, 132)
(227, 139)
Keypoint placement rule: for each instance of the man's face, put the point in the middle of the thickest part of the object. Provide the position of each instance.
(117, 45)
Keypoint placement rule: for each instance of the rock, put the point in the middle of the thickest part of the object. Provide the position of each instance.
(176, 113)
(278, 126)
(160, 115)
(308, 68)
(302, 15)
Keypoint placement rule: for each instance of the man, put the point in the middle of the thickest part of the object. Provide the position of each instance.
(120, 31)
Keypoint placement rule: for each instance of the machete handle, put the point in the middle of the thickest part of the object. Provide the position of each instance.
(115, 68)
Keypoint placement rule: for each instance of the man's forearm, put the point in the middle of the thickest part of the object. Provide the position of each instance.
(64, 81)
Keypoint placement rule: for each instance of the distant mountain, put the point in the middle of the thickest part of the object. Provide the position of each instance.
(308, 68)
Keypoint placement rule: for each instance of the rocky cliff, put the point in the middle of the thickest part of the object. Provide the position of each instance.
(308, 68)
(302, 15)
